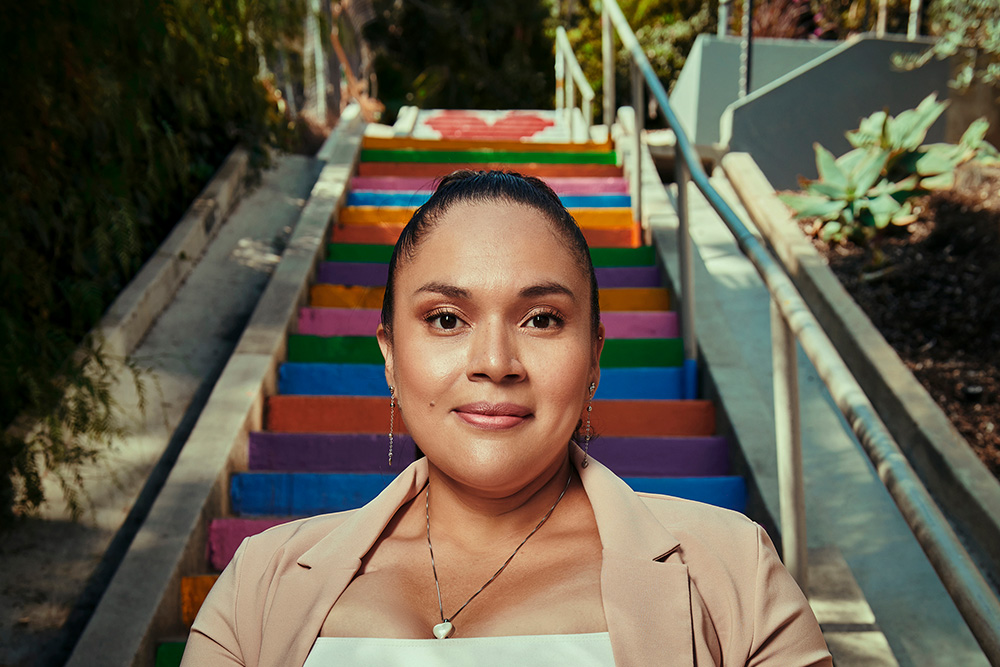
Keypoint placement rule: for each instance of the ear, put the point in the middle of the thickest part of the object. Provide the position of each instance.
(595, 363)
(386, 347)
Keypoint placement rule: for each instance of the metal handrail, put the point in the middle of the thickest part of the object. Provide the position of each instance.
(956, 569)
(566, 89)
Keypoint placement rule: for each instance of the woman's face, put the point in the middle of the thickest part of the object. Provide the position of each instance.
(492, 352)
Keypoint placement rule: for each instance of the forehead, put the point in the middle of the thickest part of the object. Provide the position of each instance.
(493, 242)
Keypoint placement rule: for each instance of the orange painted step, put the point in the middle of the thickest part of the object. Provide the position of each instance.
(194, 590)
(611, 299)
(439, 169)
(596, 218)
(398, 143)
(386, 234)
(355, 414)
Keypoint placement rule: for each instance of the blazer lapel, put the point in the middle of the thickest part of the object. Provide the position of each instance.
(647, 601)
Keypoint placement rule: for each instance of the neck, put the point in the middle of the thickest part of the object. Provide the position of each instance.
(475, 518)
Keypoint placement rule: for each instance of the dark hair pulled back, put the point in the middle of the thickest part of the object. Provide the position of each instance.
(485, 187)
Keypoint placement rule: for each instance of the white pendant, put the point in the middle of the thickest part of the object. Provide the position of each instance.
(443, 630)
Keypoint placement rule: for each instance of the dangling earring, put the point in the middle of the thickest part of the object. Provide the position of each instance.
(392, 414)
(587, 431)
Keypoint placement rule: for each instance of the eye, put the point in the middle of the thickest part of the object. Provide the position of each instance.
(543, 321)
(444, 321)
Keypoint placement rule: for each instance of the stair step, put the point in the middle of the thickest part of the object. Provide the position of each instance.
(226, 535)
(727, 492)
(363, 322)
(562, 186)
(306, 494)
(371, 275)
(399, 143)
(328, 452)
(408, 199)
(389, 233)
(193, 592)
(384, 215)
(302, 493)
(168, 654)
(351, 379)
(440, 169)
(601, 257)
(509, 158)
(611, 299)
(618, 352)
(365, 414)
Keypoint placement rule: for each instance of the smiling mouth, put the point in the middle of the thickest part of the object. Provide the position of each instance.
(493, 416)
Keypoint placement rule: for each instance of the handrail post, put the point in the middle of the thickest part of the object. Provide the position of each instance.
(640, 123)
(570, 105)
(608, 58)
(788, 444)
(560, 79)
(686, 256)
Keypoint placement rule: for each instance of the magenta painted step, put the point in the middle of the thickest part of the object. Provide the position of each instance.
(225, 536)
(338, 321)
(635, 457)
(349, 322)
(373, 275)
(640, 324)
(562, 185)
(329, 452)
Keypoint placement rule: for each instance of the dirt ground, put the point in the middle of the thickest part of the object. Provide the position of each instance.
(936, 299)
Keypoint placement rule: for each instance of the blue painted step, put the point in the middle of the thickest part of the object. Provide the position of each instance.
(362, 198)
(301, 494)
(319, 379)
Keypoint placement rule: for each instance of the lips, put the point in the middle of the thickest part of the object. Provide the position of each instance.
(493, 416)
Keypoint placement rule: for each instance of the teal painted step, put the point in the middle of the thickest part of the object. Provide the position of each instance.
(321, 379)
(303, 494)
(380, 254)
(618, 352)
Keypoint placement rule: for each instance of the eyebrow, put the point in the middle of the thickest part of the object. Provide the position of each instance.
(533, 292)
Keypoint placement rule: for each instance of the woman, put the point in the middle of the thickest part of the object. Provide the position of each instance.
(506, 539)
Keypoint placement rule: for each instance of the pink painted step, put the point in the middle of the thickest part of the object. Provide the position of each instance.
(566, 185)
(350, 322)
(225, 535)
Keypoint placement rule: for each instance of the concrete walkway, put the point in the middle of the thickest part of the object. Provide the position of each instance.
(848, 507)
(55, 570)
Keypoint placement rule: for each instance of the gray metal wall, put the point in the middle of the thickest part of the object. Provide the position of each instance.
(820, 101)
(710, 79)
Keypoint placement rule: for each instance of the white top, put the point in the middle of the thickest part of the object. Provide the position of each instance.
(578, 650)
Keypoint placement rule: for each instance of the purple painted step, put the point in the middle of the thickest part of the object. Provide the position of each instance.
(663, 457)
(352, 273)
(329, 452)
(645, 457)
(562, 186)
(368, 275)
(349, 322)
(225, 536)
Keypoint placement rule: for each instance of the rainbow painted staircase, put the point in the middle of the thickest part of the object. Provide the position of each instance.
(324, 447)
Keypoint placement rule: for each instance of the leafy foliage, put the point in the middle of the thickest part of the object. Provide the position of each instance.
(969, 31)
(114, 116)
(462, 54)
(665, 28)
(869, 188)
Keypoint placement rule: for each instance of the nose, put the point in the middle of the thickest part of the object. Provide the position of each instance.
(493, 354)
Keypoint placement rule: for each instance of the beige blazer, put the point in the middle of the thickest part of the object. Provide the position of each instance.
(683, 583)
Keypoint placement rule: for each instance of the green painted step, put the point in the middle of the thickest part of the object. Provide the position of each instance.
(466, 157)
(169, 654)
(380, 254)
(618, 352)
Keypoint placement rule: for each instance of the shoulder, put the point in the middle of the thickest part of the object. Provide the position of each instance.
(694, 522)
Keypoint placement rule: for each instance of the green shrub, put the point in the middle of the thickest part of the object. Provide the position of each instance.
(115, 114)
(869, 188)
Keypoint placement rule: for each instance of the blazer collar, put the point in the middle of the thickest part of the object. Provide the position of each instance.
(645, 591)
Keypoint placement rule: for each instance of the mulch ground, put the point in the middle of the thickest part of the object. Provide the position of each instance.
(936, 299)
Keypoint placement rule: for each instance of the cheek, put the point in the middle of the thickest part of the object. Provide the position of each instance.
(424, 368)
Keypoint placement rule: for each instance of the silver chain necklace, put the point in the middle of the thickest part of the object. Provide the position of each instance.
(445, 628)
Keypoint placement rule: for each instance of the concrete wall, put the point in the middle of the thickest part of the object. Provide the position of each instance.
(823, 99)
(710, 80)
